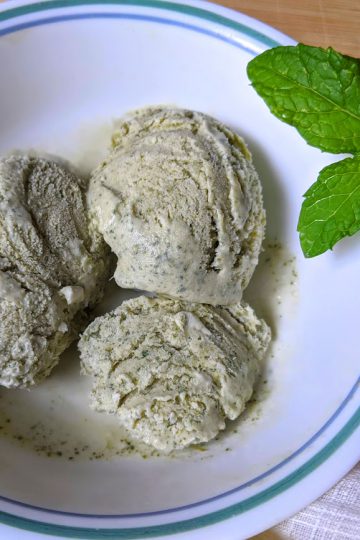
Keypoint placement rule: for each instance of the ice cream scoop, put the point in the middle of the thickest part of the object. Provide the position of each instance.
(179, 202)
(53, 266)
(171, 371)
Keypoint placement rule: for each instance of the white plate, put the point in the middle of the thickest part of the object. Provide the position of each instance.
(67, 70)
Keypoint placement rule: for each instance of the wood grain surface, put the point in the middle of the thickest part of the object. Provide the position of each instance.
(314, 22)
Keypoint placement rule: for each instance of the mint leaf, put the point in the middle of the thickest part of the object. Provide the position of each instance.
(331, 209)
(313, 89)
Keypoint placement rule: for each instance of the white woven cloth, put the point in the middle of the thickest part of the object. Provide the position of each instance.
(334, 516)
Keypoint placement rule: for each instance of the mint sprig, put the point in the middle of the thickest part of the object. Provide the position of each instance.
(318, 92)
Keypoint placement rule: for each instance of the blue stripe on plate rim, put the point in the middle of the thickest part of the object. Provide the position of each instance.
(292, 478)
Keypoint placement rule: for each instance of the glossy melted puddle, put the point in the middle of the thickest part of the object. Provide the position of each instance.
(54, 419)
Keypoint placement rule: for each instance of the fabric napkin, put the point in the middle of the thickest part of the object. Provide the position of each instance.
(334, 516)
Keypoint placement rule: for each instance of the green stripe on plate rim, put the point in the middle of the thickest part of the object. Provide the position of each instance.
(195, 523)
(169, 6)
(252, 502)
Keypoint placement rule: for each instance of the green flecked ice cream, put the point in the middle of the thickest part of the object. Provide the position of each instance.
(53, 267)
(171, 371)
(180, 204)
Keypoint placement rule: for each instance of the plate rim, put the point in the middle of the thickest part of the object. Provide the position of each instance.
(212, 13)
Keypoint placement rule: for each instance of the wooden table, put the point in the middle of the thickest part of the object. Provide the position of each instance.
(314, 22)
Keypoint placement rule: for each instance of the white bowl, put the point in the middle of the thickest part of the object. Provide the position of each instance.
(68, 69)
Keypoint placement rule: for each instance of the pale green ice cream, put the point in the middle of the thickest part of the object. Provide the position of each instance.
(180, 204)
(173, 371)
(53, 267)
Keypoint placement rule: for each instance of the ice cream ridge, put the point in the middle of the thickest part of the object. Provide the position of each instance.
(53, 266)
(179, 202)
(172, 371)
